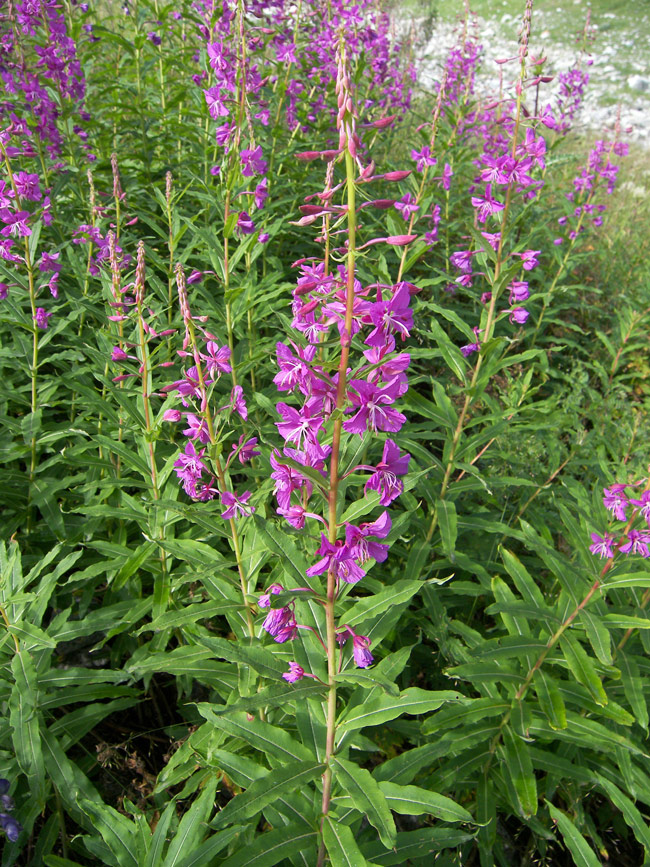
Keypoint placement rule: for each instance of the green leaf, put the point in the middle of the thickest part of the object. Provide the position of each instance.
(528, 589)
(624, 621)
(159, 837)
(520, 768)
(266, 790)
(282, 545)
(598, 636)
(274, 847)
(630, 813)
(582, 668)
(415, 845)
(550, 699)
(212, 846)
(384, 708)
(261, 735)
(366, 796)
(368, 679)
(633, 687)
(341, 845)
(448, 524)
(275, 695)
(116, 830)
(371, 606)
(25, 723)
(582, 853)
(258, 658)
(192, 827)
(414, 801)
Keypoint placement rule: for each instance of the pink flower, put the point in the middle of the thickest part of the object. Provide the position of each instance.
(296, 672)
(236, 505)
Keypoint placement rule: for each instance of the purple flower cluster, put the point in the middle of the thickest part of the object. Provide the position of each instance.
(195, 389)
(634, 541)
(29, 76)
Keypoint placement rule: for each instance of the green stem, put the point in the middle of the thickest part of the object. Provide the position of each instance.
(332, 500)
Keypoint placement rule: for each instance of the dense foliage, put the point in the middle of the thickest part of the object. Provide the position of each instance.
(326, 509)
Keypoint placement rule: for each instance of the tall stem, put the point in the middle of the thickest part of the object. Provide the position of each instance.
(333, 494)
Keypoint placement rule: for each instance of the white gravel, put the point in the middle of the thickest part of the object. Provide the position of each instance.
(611, 81)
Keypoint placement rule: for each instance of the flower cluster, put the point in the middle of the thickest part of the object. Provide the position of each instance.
(29, 88)
(633, 541)
(196, 389)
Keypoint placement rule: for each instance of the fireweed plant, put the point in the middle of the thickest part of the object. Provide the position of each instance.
(325, 495)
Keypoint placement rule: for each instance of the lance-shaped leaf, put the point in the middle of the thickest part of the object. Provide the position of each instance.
(369, 679)
(118, 832)
(366, 796)
(520, 768)
(385, 708)
(266, 790)
(582, 853)
(274, 847)
(261, 735)
(414, 801)
(550, 699)
(416, 845)
(371, 606)
(582, 668)
(275, 695)
(192, 827)
(341, 846)
(633, 687)
(630, 812)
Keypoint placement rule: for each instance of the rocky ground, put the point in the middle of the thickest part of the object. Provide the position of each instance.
(619, 74)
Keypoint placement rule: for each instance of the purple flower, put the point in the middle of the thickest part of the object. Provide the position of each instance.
(189, 467)
(339, 557)
(469, 348)
(407, 206)
(373, 411)
(49, 262)
(643, 505)
(519, 315)
(261, 193)
(518, 291)
(217, 358)
(486, 206)
(391, 317)
(42, 318)
(602, 545)
(172, 415)
(247, 449)
(423, 158)
(118, 354)
(27, 186)
(197, 428)
(296, 672)
(384, 478)
(154, 38)
(252, 162)
(637, 543)
(238, 402)
(244, 224)
(362, 656)
(298, 425)
(236, 505)
(529, 259)
(265, 599)
(615, 501)
(358, 539)
(447, 175)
